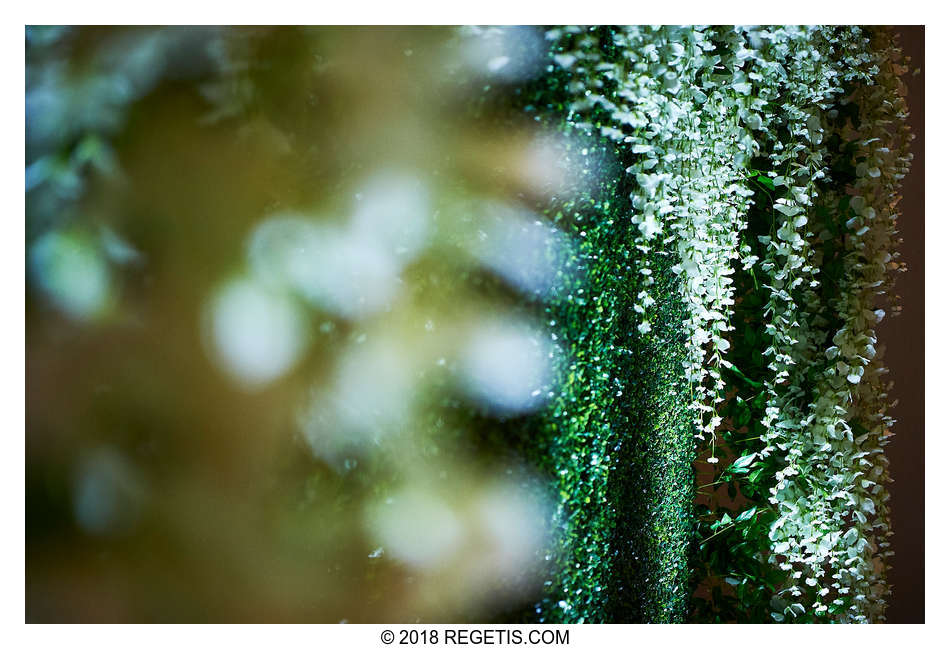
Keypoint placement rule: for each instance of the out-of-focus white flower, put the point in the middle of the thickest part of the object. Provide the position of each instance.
(417, 527)
(369, 399)
(510, 53)
(393, 212)
(522, 248)
(507, 366)
(72, 272)
(257, 333)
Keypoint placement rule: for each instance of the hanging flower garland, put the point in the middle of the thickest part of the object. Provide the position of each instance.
(808, 123)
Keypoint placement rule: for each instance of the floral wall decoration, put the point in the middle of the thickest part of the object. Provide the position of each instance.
(753, 249)
(510, 324)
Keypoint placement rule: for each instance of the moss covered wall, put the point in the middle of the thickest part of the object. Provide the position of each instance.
(618, 438)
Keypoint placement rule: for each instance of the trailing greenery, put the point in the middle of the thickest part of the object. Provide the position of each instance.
(815, 465)
(762, 167)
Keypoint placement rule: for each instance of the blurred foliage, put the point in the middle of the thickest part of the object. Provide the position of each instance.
(271, 326)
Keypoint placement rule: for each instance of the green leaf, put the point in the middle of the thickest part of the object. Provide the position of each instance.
(738, 372)
(747, 514)
(744, 461)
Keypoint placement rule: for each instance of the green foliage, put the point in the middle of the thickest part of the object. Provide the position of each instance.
(753, 159)
(799, 400)
(622, 442)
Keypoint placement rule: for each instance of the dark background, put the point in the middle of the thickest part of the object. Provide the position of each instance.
(904, 338)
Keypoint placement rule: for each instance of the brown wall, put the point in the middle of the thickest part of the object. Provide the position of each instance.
(904, 338)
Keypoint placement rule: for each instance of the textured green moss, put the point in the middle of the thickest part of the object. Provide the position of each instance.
(618, 439)
(621, 448)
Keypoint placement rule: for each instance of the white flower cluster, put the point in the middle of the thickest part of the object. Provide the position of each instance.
(827, 409)
(683, 105)
(694, 106)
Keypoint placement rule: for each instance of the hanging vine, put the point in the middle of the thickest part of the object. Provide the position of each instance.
(765, 166)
